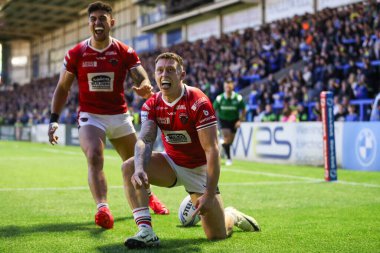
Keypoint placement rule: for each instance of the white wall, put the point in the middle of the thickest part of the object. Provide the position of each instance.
(279, 9)
(321, 4)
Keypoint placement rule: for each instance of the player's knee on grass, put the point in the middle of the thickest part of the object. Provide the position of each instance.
(213, 222)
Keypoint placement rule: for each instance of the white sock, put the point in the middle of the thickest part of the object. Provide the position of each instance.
(142, 217)
(100, 205)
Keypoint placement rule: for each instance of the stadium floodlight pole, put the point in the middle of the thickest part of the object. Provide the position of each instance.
(329, 153)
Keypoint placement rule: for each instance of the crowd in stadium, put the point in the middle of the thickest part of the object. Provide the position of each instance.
(339, 50)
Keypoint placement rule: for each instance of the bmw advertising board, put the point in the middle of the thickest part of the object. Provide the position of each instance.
(361, 150)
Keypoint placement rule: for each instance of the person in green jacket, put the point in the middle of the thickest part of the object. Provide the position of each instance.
(230, 109)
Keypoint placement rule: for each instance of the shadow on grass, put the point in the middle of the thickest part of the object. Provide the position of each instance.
(167, 245)
(16, 231)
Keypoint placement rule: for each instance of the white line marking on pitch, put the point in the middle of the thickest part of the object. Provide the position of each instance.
(76, 188)
(75, 153)
(298, 177)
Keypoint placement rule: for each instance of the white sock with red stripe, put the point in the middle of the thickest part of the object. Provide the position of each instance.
(100, 205)
(142, 217)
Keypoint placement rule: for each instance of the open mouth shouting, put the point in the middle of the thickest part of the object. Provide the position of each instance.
(165, 84)
(99, 30)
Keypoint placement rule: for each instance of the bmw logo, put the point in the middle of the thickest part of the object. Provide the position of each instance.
(366, 147)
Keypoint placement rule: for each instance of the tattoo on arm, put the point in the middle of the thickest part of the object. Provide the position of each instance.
(144, 145)
(138, 75)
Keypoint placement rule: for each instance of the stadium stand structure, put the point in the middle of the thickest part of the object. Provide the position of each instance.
(284, 62)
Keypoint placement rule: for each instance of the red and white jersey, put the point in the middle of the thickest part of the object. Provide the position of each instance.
(179, 122)
(101, 75)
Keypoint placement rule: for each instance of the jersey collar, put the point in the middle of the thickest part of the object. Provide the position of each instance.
(232, 95)
(175, 101)
(99, 50)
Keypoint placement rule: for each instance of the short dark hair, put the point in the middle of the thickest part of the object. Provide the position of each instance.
(169, 55)
(99, 5)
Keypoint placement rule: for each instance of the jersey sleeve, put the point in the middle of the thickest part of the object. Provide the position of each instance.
(148, 111)
(204, 113)
(132, 59)
(69, 62)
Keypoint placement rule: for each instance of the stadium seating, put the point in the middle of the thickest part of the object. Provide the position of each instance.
(334, 49)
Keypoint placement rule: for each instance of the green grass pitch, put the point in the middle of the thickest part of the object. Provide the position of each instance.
(46, 206)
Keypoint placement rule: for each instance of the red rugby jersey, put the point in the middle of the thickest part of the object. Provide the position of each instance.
(101, 75)
(179, 122)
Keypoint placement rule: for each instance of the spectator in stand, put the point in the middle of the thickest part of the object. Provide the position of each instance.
(341, 114)
(346, 90)
(288, 115)
(361, 91)
(316, 112)
(352, 115)
(302, 113)
(269, 114)
(260, 112)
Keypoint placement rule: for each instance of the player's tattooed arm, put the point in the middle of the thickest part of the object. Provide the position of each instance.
(144, 144)
(140, 78)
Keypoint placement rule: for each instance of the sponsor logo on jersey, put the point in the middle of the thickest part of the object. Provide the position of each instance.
(89, 54)
(100, 81)
(111, 53)
(113, 61)
(171, 113)
(228, 108)
(207, 119)
(87, 64)
(183, 117)
(101, 58)
(198, 103)
(163, 121)
(177, 137)
(160, 108)
(181, 107)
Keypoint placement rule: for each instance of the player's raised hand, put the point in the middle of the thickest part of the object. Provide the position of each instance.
(144, 91)
(53, 139)
(139, 179)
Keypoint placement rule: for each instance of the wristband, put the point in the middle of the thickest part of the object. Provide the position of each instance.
(54, 117)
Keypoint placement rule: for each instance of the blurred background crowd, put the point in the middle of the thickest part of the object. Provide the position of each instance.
(280, 68)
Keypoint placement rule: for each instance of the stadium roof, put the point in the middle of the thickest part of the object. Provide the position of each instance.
(26, 19)
(202, 10)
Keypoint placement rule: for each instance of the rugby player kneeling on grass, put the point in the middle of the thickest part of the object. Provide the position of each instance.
(188, 125)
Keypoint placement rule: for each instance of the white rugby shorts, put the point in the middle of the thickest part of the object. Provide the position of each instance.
(194, 180)
(114, 126)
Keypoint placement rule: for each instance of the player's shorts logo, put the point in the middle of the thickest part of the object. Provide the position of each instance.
(366, 147)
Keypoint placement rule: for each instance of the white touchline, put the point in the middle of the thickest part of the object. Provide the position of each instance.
(310, 181)
(58, 151)
(298, 177)
(78, 188)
